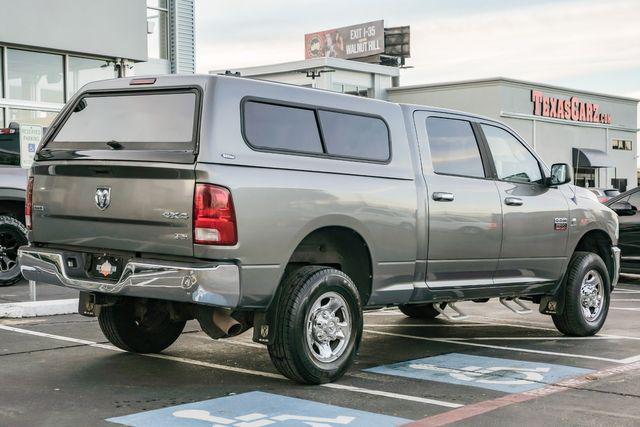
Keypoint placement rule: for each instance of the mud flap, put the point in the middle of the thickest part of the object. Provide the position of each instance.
(262, 332)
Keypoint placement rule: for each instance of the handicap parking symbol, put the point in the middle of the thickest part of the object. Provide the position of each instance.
(507, 375)
(257, 409)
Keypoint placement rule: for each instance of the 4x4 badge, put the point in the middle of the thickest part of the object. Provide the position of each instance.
(103, 197)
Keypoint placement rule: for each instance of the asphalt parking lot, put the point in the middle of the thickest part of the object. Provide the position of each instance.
(495, 368)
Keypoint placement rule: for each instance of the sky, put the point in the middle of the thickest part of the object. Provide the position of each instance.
(584, 44)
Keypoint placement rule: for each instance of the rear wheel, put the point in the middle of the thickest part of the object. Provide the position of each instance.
(13, 234)
(140, 328)
(421, 311)
(587, 295)
(318, 325)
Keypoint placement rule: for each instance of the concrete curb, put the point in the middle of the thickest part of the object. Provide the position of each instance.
(16, 310)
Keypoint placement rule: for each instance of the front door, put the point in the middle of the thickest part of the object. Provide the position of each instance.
(465, 218)
(535, 224)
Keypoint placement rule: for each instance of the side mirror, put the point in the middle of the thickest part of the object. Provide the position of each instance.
(560, 174)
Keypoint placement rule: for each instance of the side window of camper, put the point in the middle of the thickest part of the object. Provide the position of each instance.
(279, 127)
(351, 135)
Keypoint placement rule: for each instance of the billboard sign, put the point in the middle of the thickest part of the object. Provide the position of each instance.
(356, 41)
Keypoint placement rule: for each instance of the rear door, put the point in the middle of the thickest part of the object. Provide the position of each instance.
(465, 217)
(535, 216)
(118, 174)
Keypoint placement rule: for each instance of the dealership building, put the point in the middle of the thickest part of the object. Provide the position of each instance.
(50, 49)
(594, 132)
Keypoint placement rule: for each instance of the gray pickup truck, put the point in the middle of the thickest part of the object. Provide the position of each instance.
(243, 203)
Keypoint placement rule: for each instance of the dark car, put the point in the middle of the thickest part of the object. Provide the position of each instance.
(626, 206)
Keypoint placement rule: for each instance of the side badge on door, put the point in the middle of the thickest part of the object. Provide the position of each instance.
(560, 224)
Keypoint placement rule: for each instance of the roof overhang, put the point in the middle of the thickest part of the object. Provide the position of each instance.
(590, 158)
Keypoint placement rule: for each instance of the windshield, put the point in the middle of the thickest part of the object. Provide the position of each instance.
(130, 121)
(612, 193)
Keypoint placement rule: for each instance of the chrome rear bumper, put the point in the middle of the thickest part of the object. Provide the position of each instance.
(216, 284)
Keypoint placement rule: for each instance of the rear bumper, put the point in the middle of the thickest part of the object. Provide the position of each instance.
(216, 284)
(615, 254)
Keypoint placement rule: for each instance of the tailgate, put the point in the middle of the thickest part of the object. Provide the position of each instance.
(141, 207)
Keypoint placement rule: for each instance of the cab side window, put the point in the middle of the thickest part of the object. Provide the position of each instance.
(513, 161)
(454, 149)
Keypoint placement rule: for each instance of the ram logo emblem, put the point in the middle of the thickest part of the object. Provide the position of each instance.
(103, 197)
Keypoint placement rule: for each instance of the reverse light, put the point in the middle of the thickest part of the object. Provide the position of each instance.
(214, 219)
(28, 204)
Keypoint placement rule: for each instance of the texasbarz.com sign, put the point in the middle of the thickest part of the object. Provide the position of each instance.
(573, 109)
(355, 41)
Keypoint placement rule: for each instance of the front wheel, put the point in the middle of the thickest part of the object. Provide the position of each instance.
(318, 325)
(13, 234)
(140, 328)
(587, 295)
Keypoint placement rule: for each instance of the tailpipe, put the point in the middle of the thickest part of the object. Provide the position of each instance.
(227, 324)
(218, 323)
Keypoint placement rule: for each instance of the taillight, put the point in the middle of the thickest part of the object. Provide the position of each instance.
(28, 203)
(214, 219)
(7, 131)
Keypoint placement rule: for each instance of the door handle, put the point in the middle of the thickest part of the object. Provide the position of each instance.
(513, 201)
(442, 197)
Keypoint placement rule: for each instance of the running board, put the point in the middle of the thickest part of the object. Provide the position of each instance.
(460, 315)
(515, 305)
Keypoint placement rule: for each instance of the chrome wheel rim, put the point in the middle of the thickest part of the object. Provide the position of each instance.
(592, 295)
(328, 328)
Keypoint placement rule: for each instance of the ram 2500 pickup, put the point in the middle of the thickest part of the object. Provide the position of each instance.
(244, 203)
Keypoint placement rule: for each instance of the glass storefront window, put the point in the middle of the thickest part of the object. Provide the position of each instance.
(30, 117)
(157, 29)
(35, 76)
(86, 70)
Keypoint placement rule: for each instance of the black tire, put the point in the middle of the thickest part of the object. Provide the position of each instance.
(152, 335)
(290, 351)
(574, 321)
(421, 311)
(13, 234)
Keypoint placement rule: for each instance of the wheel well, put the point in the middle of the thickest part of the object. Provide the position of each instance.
(338, 247)
(598, 242)
(12, 208)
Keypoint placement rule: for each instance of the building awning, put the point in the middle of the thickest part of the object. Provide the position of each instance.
(590, 158)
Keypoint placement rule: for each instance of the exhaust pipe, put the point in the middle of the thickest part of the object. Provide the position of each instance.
(227, 324)
(218, 323)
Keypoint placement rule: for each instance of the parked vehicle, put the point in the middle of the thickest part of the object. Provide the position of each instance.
(626, 206)
(246, 203)
(604, 194)
(13, 232)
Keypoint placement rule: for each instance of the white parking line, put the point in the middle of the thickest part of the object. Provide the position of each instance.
(412, 325)
(236, 369)
(625, 308)
(498, 347)
(625, 300)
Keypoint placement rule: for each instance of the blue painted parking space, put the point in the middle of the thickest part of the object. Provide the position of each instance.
(506, 375)
(257, 409)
